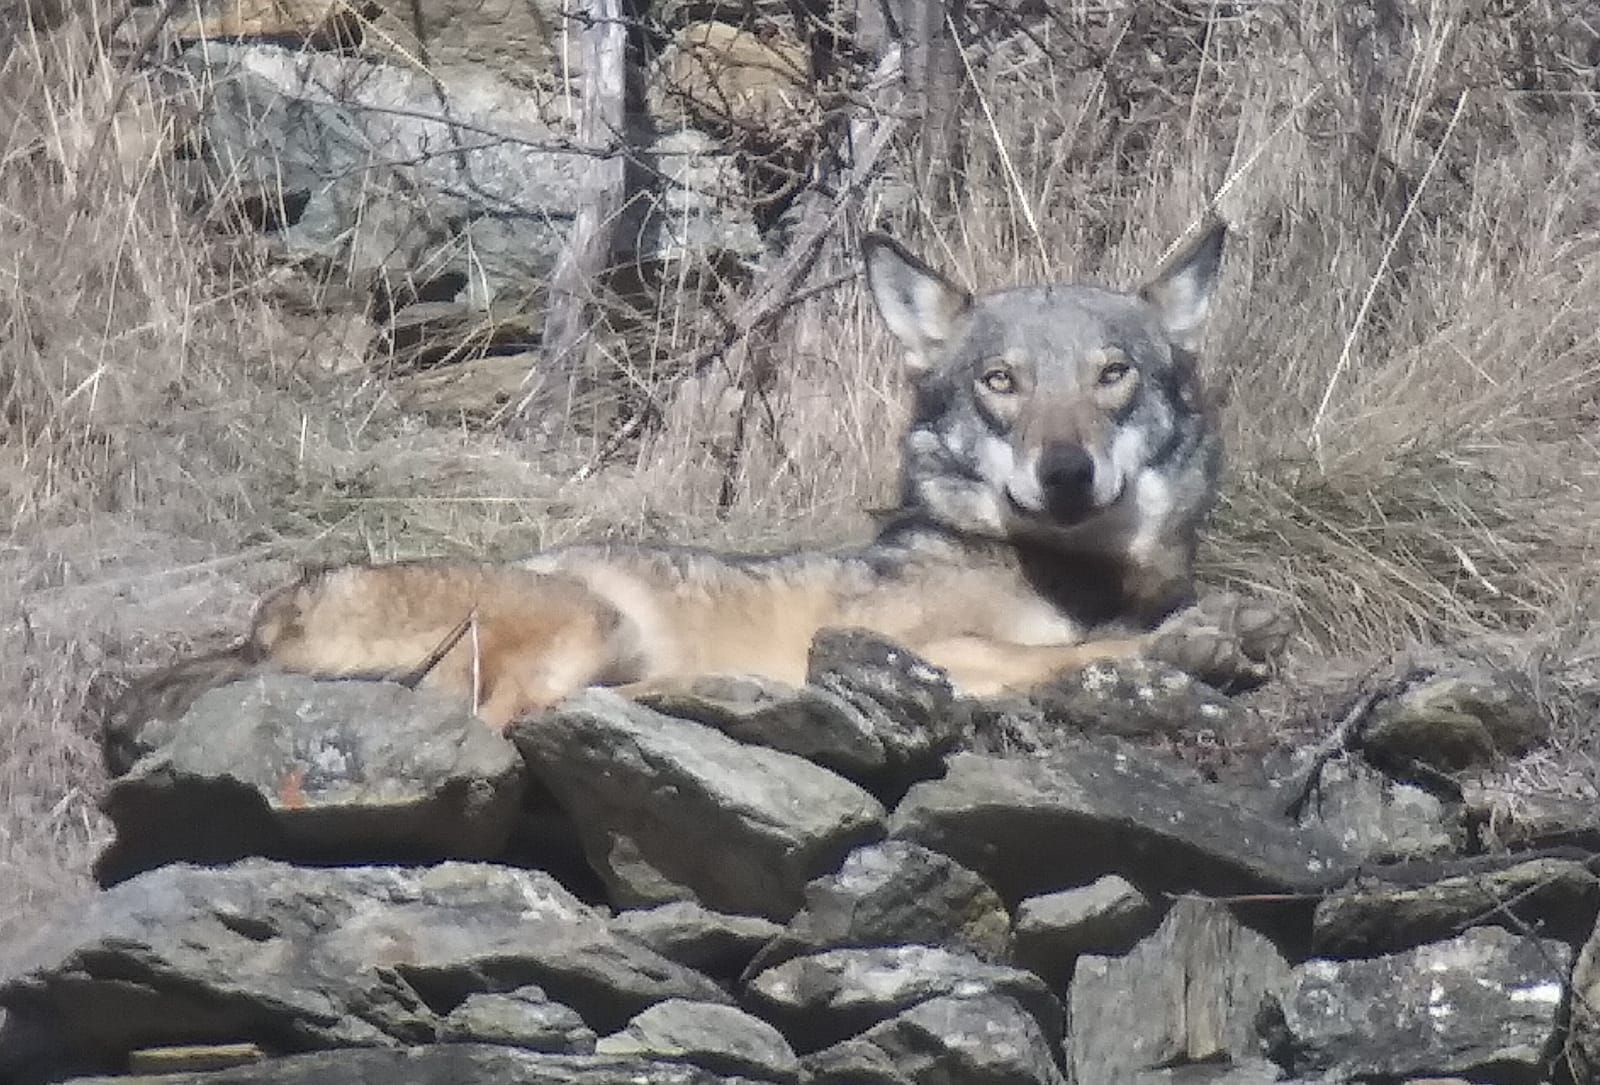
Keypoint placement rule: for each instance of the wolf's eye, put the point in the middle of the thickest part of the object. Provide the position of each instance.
(1113, 372)
(999, 381)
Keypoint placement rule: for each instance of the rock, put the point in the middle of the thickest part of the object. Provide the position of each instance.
(1198, 983)
(424, 335)
(293, 768)
(1585, 1026)
(1455, 721)
(312, 24)
(1139, 698)
(910, 704)
(1248, 1072)
(477, 388)
(720, 1038)
(895, 893)
(301, 958)
(1034, 825)
(727, 79)
(457, 183)
(852, 1062)
(522, 1018)
(1104, 918)
(192, 1057)
(664, 805)
(805, 721)
(826, 997)
(1512, 818)
(1379, 819)
(718, 945)
(439, 1064)
(978, 1039)
(1485, 1003)
(1557, 897)
(698, 220)
(524, 43)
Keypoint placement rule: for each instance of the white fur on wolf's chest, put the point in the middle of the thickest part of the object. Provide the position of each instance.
(1033, 621)
(1154, 503)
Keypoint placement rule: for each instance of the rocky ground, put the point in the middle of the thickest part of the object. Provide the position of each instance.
(863, 880)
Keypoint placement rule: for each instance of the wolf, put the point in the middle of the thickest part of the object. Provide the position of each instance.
(1060, 460)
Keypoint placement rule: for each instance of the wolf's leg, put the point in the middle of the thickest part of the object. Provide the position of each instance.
(657, 686)
(1226, 640)
(981, 667)
(526, 663)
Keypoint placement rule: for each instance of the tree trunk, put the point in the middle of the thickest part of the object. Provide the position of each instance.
(933, 80)
(603, 46)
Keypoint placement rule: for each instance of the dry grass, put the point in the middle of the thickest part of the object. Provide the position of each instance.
(1406, 349)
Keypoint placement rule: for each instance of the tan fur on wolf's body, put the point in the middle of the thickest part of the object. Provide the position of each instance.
(1054, 476)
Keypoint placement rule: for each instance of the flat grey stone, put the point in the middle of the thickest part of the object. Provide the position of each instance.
(718, 944)
(293, 768)
(720, 1038)
(1188, 994)
(299, 958)
(1106, 917)
(669, 810)
(522, 1018)
(1030, 825)
(893, 893)
(826, 997)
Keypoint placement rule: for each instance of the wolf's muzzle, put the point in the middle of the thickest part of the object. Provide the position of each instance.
(1066, 476)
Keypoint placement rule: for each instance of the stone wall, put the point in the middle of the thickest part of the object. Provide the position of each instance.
(1127, 878)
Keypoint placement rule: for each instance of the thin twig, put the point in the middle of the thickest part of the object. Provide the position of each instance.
(1314, 440)
(412, 678)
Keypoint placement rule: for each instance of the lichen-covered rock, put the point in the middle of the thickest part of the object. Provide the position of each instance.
(720, 1038)
(802, 720)
(894, 893)
(1464, 718)
(1198, 983)
(826, 997)
(975, 1039)
(1380, 819)
(1559, 897)
(1139, 698)
(1104, 918)
(300, 958)
(671, 810)
(337, 159)
(294, 768)
(909, 704)
(1585, 1051)
(1486, 1002)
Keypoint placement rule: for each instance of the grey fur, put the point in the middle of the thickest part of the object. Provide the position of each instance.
(1049, 464)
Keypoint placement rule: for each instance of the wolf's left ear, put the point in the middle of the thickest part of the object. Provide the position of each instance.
(1181, 292)
(920, 306)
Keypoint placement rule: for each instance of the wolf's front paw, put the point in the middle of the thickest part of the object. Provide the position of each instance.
(1225, 640)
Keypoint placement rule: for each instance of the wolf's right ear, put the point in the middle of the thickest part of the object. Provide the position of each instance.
(920, 306)
(1182, 290)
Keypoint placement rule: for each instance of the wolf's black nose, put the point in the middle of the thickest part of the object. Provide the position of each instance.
(1066, 475)
(1065, 469)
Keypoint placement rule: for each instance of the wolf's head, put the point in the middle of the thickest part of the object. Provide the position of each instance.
(1066, 414)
